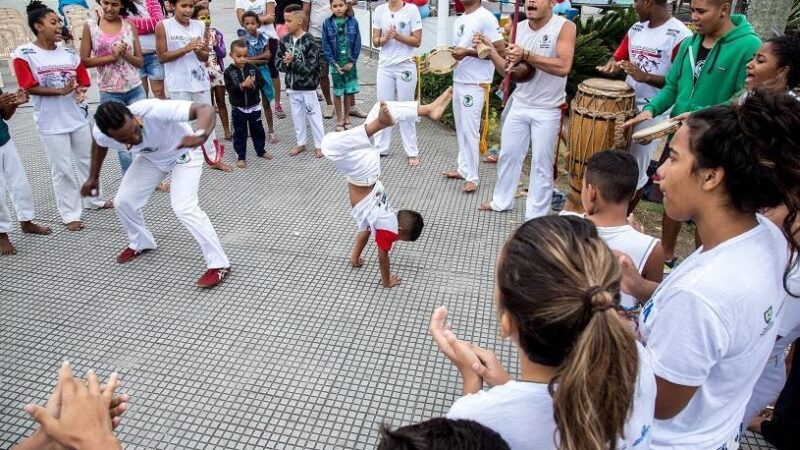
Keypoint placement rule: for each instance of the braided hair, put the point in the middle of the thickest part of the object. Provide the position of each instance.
(111, 115)
(36, 12)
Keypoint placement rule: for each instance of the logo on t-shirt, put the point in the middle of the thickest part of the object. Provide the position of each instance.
(148, 149)
(402, 25)
(768, 320)
(545, 42)
(468, 101)
(183, 159)
(460, 30)
(406, 75)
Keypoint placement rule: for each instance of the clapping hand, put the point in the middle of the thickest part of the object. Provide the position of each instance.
(69, 87)
(610, 68)
(249, 82)
(120, 48)
(514, 54)
(80, 94)
(288, 58)
(633, 70)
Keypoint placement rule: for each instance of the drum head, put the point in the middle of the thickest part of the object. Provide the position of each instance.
(440, 60)
(606, 85)
(656, 131)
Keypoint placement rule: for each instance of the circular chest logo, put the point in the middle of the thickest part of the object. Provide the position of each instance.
(183, 159)
(406, 75)
(461, 30)
(468, 101)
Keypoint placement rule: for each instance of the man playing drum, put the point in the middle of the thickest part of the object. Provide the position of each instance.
(469, 93)
(646, 54)
(547, 42)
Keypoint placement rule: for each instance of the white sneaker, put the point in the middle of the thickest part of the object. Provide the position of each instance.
(355, 111)
(328, 112)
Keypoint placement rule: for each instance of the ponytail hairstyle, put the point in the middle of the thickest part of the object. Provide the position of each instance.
(36, 12)
(111, 115)
(787, 49)
(756, 144)
(559, 283)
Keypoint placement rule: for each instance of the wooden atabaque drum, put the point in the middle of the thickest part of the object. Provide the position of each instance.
(596, 116)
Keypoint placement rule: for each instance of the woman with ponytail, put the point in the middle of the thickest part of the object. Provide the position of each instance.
(57, 81)
(710, 326)
(584, 382)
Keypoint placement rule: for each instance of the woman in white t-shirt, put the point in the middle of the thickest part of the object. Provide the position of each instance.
(397, 31)
(265, 9)
(710, 326)
(57, 81)
(584, 382)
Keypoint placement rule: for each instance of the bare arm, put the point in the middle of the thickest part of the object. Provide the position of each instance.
(8, 104)
(376, 37)
(561, 64)
(654, 267)
(358, 248)
(413, 40)
(306, 15)
(205, 117)
(386, 270)
(671, 398)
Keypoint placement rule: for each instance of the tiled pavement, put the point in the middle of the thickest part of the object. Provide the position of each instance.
(295, 349)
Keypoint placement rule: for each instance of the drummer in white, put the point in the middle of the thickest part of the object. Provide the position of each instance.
(547, 42)
(469, 94)
(397, 31)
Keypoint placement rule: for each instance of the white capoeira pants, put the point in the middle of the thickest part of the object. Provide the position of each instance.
(467, 109)
(398, 82)
(523, 126)
(644, 152)
(67, 152)
(304, 104)
(139, 183)
(199, 97)
(13, 180)
(352, 152)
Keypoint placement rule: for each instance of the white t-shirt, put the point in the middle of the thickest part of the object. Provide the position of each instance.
(522, 412)
(652, 50)
(320, 10)
(712, 323)
(259, 7)
(187, 73)
(406, 20)
(474, 70)
(165, 123)
(374, 213)
(35, 66)
(544, 90)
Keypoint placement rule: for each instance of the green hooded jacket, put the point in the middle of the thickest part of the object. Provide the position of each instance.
(722, 76)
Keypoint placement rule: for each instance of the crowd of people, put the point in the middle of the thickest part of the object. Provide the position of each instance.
(619, 345)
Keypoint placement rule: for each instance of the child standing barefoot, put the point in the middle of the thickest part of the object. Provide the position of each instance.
(297, 57)
(341, 44)
(243, 82)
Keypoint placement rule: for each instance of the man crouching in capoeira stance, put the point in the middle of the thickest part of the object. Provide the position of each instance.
(353, 153)
(159, 133)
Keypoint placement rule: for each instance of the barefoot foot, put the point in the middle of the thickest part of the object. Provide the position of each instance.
(296, 150)
(384, 116)
(163, 187)
(109, 204)
(33, 228)
(453, 174)
(6, 248)
(485, 206)
(318, 153)
(76, 225)
(413, 161)
(240, 164)
(438, 106)
(222, 166)
(469, 187)
(273, 139)
(266, 155)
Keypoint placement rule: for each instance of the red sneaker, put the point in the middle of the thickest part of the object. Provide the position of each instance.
(213, 277)
(129, 254)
